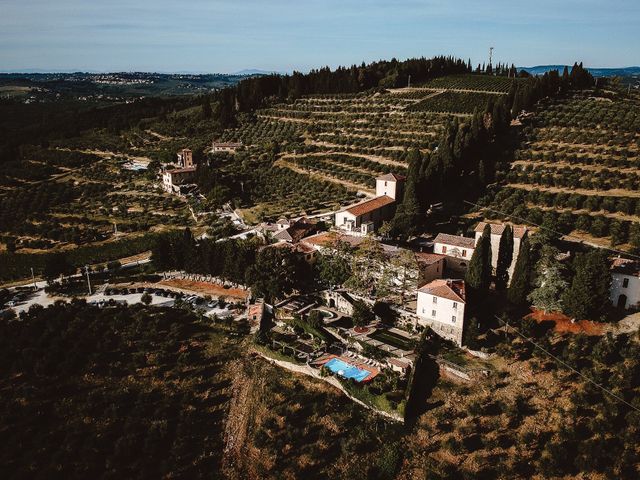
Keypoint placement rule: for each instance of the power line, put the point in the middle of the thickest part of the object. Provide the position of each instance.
(524, 220)
(604, 389)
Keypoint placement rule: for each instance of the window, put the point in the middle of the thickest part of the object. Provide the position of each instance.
(435, 300)
(444, 249)
(464, 253)
(385, 183)
(625, 282)
(433, 313)
(422, 309)
(455, 305)
(453, 319)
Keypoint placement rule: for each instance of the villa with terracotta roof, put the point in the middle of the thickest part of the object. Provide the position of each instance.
(497, 229)
(367, 216)
(174, 179)
(441, 305)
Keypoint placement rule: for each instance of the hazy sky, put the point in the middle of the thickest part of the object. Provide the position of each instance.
(230, 35)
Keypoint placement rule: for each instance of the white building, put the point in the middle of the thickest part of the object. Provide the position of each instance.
(625, 283)
(173, 179)
(441, 305)
(229, 147)
(497, 229)
(367, 216)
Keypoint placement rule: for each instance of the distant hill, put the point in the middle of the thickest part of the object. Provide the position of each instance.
(255, 71)
(596, 72)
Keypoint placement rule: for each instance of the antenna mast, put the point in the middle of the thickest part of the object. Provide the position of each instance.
(491, 57)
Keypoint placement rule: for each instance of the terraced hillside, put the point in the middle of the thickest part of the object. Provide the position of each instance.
(349, 139)
(577, 168)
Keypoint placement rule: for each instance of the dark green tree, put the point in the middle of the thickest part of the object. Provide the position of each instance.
(521, 280)
(505, 256)
(274, 274)
(478, 277)
(56, 265)
(362, 314)
(588, 295)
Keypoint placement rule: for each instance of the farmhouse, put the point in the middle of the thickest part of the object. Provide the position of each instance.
(367, 216)
(441, 305)
(497, 229)
(229, 147)
(294, 232)
(173, 180)
(456, 248)
(625, 283)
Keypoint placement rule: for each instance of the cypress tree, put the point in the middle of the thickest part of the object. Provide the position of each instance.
(478, 277)
(505, 256)
(588, 295)
(519, 287)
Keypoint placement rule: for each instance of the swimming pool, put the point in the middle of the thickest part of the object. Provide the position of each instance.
(346, 370)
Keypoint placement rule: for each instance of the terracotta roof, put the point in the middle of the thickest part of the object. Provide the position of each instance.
(391, 177)
(455, 240)
(370, 205)
(449, 289)
(497, 229)
(398, 362)
(294, 247)
(296, 231)
(429, 258)
(326, 239)
(182, 170)
(626, 266)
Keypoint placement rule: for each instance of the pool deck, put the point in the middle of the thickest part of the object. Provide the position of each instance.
(373, 371)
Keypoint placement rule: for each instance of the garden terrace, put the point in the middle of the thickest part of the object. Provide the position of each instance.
(478, 83)
(577, 167)
(348, 139)
(453, 102)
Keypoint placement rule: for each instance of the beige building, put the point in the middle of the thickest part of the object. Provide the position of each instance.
(365, 217)
(173, 179)
(185, 158)
(229, 147)
(441, 304)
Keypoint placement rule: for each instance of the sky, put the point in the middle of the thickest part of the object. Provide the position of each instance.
(226, 36)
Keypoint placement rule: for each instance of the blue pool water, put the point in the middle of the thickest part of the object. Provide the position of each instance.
(345, 370)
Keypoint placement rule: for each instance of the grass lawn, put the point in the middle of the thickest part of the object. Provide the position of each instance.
(392, 339)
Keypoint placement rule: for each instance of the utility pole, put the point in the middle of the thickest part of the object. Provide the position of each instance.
(33, 277)
(491, 58)
(86, 269)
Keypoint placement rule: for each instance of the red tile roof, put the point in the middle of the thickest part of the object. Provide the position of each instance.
(369, 206)
(327, 239)
(429, 258)
(519, 231)
(449, 289)
(182, 170)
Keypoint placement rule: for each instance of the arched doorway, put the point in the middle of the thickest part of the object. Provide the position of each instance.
(622, 301)
(332, 303)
